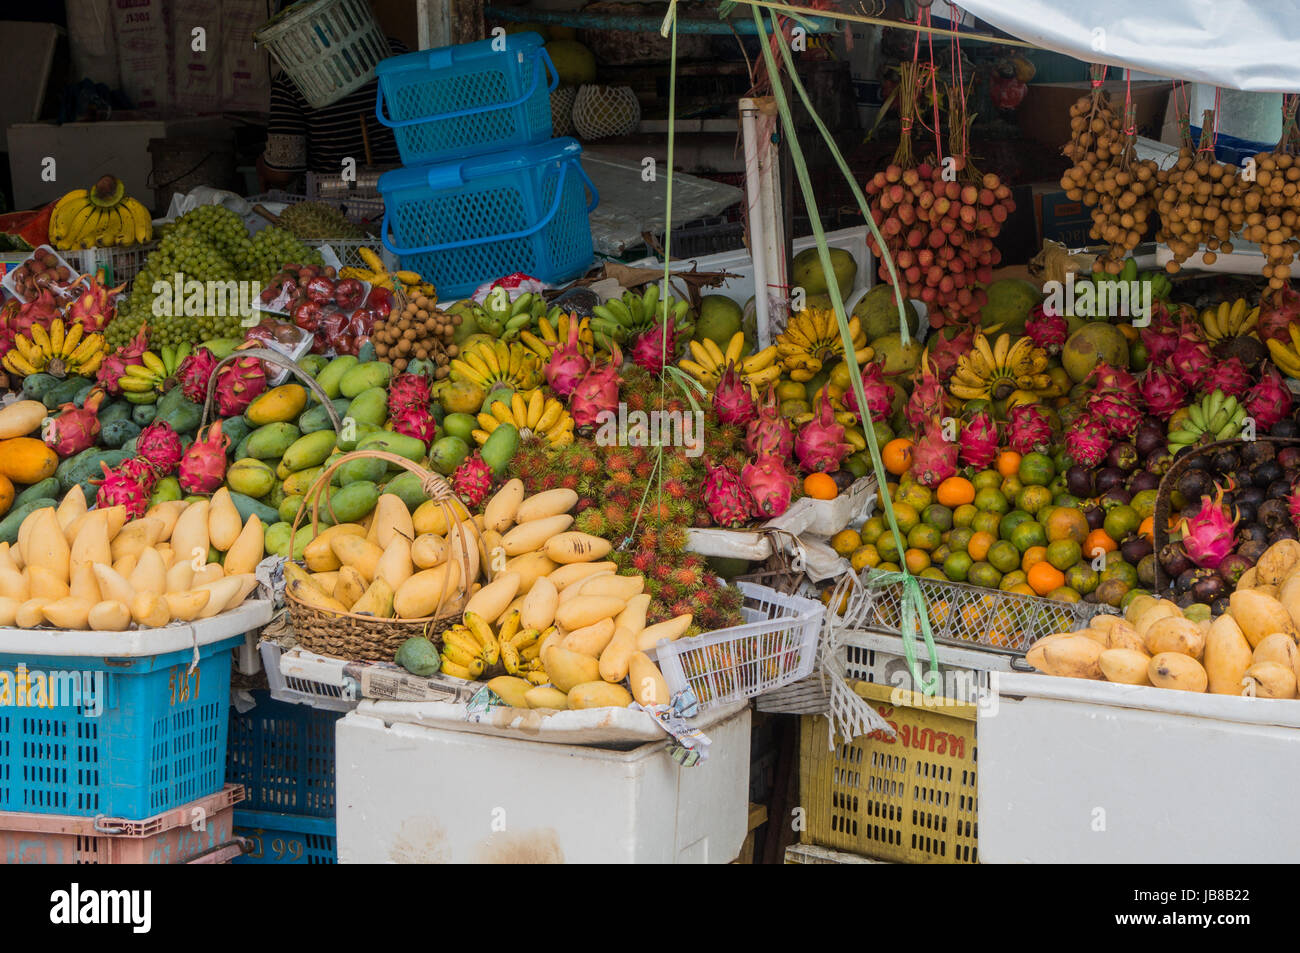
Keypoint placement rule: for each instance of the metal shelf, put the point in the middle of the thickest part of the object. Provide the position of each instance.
(600, 21)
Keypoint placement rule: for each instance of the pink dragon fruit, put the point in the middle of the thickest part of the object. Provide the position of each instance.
(1047, 331)
(1119, 414)
(725, 497)
(1208, 536)
(1160, 337)
(1277, 313)
(934, 459)
(732, 400)
(978, 443)
(94, 307)
(1190, 360)
(195, 372)
(567, 364)
(114, 366)
(76, 428)
(414, 420)
(17, 318)
(597, 391)
(947, 350)
(768, 434)
(928, 397)
(1087, 440)
(203, 466)
(1028, 428)
(1163, 392)
(1108, 379)
(1230, 376)
(820, 444)
(651, 351)
(878, 392)
(1270, 400)
(138, 468)
(1293, 504)
(472, 479)
(238, 383)
(407, 390)
(124, 486)
(770, 485)
(159, 444)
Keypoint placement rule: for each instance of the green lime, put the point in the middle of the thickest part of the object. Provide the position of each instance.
(1010, 521)
(938, 516)
(991, 501)
(1121, 522)
(1003, 556)
(957, 566)
(1036, 469)
(1064, 553)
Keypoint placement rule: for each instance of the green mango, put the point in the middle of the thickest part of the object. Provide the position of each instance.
(370, 406)
(317, 417)
(369, 468)
(276, 495)
(412, 448)
(222, 348)
(406, 486)
(47, 488)
(332, 376)
(309, 450)
(236, 428)
(277, 538)
(250, 477)
(460, 425)
(362, 377)
(313, 364)
(448, 453)
(418, 656)
(288, 508)
(272, 440)
(165, 490)
(500, 447)
(354, 433)
(352, 503)
(299, 482)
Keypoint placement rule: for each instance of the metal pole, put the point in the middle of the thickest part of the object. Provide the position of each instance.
(755, 218)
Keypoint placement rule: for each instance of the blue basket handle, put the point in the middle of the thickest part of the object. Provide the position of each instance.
(451, 177)
(543, 62)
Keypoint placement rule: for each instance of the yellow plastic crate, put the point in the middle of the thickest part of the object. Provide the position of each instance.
(911, 799)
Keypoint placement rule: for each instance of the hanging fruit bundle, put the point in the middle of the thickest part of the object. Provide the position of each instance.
(938, 217)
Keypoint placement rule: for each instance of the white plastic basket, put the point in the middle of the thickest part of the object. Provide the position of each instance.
(776, 645)
(122, 264)
(329, 48)
(301, 678)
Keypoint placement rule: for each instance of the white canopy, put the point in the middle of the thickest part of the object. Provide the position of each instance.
(1251, 45)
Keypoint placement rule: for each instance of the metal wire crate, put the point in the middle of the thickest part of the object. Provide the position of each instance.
(964, 614)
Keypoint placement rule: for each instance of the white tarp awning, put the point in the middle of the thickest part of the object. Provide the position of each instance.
(1238, 44)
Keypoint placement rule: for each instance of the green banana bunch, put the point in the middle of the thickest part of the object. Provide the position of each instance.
(501, 315)
(622, 319)
(1215, 417)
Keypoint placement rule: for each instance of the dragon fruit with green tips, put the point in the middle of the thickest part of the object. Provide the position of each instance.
(1087, 440)
(113, 368)
(1269, 401)
(1119, 414)
(879, 394)
(1208, 535)
(195, 372)
(203, 466)
(238, 383)
(161, 446)
(597, 392)
(655, 347)
(472, 479)
(726, 498)
(1230, 376)
(1163, 392)
(978, 442)
(928, 398)
(414, 420)
(820, 445)
(75, 428)
(769, 434)
(1028, 429)
(934, 458)
(407, 390)
(1108, 379)
(567, 364)
(127, 485)
(733, 402)
(1047, 331)
(770, 486)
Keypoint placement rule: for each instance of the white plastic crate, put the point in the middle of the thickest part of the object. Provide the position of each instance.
(122, 264)
(776, 645)
(1079, 771)
(410, 793)
(302, 678)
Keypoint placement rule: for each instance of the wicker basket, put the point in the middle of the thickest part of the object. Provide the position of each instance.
(353, 637)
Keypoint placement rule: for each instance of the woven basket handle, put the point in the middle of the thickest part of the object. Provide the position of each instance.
(271, 357)
(433, 484)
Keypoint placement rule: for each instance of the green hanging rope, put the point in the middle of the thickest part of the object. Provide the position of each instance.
(912, 603)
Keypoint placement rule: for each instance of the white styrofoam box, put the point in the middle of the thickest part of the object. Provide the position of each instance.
(409, 793)
(136, 643)
(1077, 771)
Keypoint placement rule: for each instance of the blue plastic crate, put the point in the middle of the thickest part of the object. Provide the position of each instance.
(462, 223)
(158, 742)
(469, 99)
(286, 838)
(283, 755)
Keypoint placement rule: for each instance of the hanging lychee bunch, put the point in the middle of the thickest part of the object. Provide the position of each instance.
(938, 218)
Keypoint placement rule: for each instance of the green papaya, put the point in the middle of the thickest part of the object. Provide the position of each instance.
(86, 466)
(49, 487)
(117, 432)
(142, 414)
(367, 351)
(370, 406)
(236, 428)
(64, 392)
(247, 506)
(362, 377)
(35, 385)
(80, 399)
(271, 440)
(182, 413)
(112, 410)
(418, 656)
(9, 525)
(332, 375)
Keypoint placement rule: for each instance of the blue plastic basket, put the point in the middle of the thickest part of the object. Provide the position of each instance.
(462, 223)
(283, 755)
(158, 742)
(469, 99)
(286, 838)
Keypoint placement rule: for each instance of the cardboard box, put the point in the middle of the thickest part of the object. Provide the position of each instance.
(1061, 219)
(1045, 113)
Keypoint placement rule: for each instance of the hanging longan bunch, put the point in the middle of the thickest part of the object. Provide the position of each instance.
(1200, 202)
(1270, 204)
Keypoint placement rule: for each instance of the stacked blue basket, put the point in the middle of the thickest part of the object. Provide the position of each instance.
(485, 190)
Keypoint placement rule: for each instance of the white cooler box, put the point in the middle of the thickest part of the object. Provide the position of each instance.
(417, 784)
(1077, 771)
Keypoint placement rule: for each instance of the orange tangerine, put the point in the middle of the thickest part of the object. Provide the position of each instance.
(1032, 557)
(1044, 577)
(955, 491)
(820, 487)
(1008, 463)
(1098, 539)
(897, 455)
(979, 545)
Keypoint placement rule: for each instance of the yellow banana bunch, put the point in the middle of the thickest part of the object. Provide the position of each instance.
(1232, 319)
(1286, 358)
(557, 333)
(408, 282)
(470, 648)
(491, 362)
(101, 216)
(707, 362)
(60, 352)
(812, 340)
(999, 370)
(533, 415)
